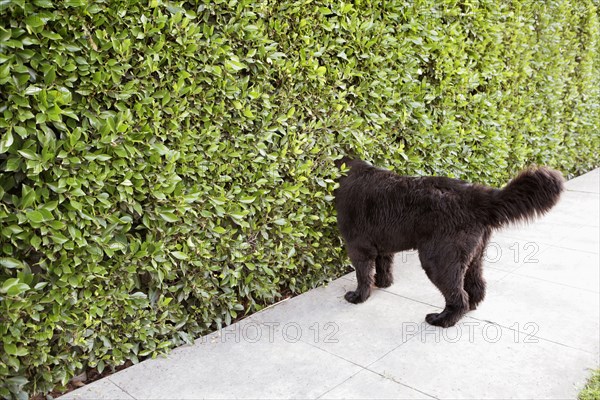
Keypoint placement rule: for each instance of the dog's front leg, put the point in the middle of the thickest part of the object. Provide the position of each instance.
(363, 263)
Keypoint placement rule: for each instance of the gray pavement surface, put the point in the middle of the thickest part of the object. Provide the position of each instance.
(535, 336)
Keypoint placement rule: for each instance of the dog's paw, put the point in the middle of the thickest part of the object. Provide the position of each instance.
(437, 319)
(383, 281)
(353, 297)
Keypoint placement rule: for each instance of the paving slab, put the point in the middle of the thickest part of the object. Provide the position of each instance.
(481, 360)
(509, 253)
(573, 268)
(544, 309)
(589, 182)
(540, 232)
(103, 389)
(536, 335)
(361, 333)
(364, 384)
(574, 207)
(233, 366)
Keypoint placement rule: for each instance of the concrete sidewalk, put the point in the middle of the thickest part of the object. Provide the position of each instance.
(535, 336)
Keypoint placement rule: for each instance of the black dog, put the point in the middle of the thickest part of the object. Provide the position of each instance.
(447, 220)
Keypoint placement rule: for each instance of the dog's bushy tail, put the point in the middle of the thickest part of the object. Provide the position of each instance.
(532, 193)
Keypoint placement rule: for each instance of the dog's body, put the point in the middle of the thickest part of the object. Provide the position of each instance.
(448, 221)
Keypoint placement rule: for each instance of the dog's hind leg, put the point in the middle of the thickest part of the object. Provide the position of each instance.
(383, 270)
(446, 271)
(474, 282)
(363, 261)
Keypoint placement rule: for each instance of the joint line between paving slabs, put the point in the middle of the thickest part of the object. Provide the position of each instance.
(530, 335)
(391, 378)
(128, 394)
(580, 191)
(515, 272)
(411, 299)
(363, 368)
(341, 383)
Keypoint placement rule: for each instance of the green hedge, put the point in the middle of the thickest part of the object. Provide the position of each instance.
(166, 167)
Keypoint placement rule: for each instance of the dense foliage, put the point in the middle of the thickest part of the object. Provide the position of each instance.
(166, 167)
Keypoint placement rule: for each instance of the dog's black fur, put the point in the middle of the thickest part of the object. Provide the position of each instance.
(447, 220)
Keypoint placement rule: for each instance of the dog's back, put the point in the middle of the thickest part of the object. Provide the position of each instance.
(396, 212)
